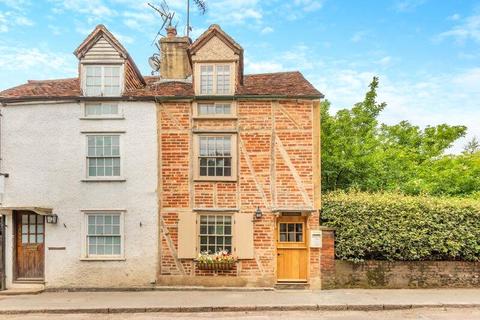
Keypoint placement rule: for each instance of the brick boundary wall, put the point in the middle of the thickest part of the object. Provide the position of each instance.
(327, 258)
(405, 274)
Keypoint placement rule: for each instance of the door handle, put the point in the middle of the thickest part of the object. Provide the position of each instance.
(279, 254)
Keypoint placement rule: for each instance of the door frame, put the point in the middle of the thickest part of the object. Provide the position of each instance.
(15, 219)
(306, 232)
(3, 270)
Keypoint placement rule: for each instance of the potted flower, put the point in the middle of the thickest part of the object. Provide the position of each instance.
(221, 260)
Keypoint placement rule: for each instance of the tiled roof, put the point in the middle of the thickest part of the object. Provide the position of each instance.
(287, 84)
(290, 84)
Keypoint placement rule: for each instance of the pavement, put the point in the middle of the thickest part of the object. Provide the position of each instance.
(238, 301)
(408, 314)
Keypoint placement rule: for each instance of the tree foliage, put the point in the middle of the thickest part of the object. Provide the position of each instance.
(359, 152)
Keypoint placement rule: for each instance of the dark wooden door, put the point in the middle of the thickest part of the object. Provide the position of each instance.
(29, 243)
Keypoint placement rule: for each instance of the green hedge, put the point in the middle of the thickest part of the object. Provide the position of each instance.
(385, 226)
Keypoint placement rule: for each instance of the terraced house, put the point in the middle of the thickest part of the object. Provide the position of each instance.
(114, 179)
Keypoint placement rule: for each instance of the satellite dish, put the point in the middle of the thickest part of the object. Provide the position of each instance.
(154, 62)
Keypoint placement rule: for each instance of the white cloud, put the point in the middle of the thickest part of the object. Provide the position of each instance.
(407, 5)
(23, 21)
(20, 63)
(454, 17)
(358, 36)
(309, 5)
(267, 30)
(468, 28)
(18, 5)
(235, 12)
(93, 10)
(11, 19)
(385, 61)
(123, 38)
(257, 66)
(422, 100)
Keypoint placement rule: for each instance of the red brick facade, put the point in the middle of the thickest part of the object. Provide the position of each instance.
(275, 173)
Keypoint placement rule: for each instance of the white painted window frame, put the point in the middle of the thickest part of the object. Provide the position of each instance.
(231, 115)
(209, 213)
(234, 155)
(119, 116)
(84, 235)
(87, 178)
(83, 72)
(198, 78)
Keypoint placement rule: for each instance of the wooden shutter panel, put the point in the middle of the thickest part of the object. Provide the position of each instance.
(244, 235)
(187, 235)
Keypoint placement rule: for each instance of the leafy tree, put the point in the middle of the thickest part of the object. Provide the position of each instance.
(472, 146)
(360, 153)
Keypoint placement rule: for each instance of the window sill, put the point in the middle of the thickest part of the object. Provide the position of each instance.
(215, 118)
(213, 179)
(103, 259)
(105, 180)
(102, 118)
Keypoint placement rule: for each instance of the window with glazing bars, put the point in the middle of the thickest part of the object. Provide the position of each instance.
(205, 109)
(215, 156)
(291, 232)
(103, 158)
(101, 109)
(206, 79)
(215, 233)
(223, 79)
(32, 228)
(102, 80)
(104, 234)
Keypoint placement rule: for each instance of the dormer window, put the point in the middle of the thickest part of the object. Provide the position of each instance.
(215, 79)
(102, 80)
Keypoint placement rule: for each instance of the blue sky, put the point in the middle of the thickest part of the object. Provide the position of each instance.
(426, 52)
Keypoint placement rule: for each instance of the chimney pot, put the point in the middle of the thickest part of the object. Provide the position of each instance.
(171, 32)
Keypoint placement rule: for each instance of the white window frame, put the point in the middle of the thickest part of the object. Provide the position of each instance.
(231, 115)
(102, 94)
(232, 231)
(121, 178)
(198, 78)
(234, 156)
(84, 235)
(118, 116)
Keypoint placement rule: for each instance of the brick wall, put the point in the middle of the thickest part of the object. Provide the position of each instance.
(407, 274)
(275, 156)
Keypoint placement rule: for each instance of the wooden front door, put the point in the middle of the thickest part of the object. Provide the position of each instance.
(29, 246)
(292, 251)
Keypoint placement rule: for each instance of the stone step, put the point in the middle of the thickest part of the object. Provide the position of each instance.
(292, 286)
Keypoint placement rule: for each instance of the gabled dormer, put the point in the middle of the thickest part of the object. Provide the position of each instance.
(105, 67)
(217, 63)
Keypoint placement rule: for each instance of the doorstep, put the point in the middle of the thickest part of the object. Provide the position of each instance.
(22, 291)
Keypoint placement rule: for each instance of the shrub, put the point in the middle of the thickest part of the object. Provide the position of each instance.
(386, 226)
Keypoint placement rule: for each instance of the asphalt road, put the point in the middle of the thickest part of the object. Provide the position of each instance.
(417, 314)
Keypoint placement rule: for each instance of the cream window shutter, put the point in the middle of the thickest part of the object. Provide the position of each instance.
(243, 236)
(187, 235)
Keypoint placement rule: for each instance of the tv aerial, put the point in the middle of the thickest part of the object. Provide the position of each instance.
(166, 15)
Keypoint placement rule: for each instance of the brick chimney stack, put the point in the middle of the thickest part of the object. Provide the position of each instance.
(174, 62)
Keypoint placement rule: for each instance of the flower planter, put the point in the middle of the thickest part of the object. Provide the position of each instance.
(215, 265)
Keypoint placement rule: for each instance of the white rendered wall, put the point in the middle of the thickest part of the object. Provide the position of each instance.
(43, 150)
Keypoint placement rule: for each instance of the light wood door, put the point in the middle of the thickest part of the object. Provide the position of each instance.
(29, 245)
(292, 251)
